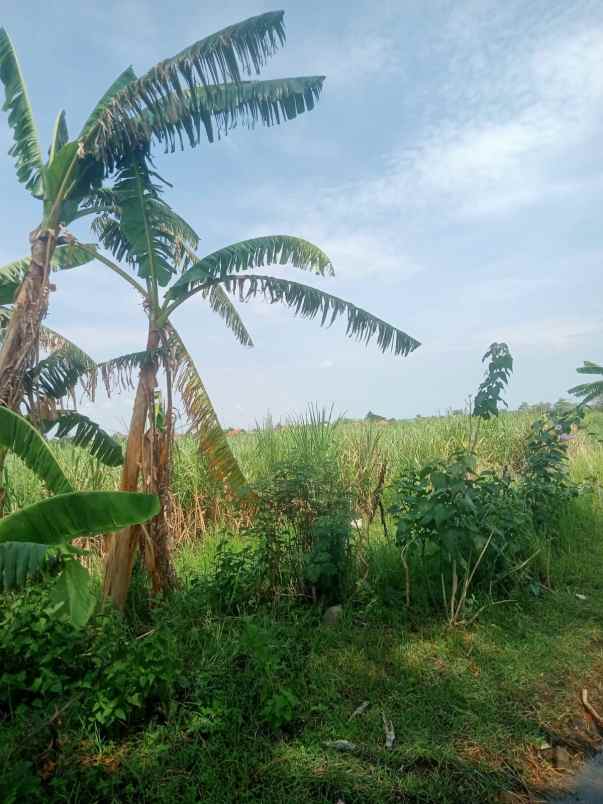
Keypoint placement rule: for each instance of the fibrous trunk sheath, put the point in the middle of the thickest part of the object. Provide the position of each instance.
(147, 454)
(20, 344)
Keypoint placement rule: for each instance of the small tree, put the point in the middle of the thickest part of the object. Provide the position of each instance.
(489, 393)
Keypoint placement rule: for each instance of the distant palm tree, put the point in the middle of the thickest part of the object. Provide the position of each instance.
(589, 391)
(199, 89)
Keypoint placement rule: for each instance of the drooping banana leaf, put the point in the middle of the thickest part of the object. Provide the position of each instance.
(310, 302)
(220, 303)
(72, 590)
(118, 372)
(64, 517)
(18, 562)
(18, 436)
(588, 390)
(26, 535)
(56, 376)
(220, 57)
(202, 416)
(85, 433)
(254, 253)
(590, 368)
(26, 146)
(223, 107)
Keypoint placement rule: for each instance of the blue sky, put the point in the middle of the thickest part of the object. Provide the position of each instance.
(452, 170)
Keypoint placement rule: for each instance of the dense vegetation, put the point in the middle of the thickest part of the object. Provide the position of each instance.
(234, 690)
(106, 175)
(325, 611)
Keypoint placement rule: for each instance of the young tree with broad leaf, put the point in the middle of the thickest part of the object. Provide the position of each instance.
(199, 92)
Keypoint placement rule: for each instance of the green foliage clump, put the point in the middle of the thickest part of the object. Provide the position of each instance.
(266, 656)
(489, 394)
(303, 519)
(545, 478)
(113, 678)
(474, 530)
(239, 578)
(458, 524)
(298, 542)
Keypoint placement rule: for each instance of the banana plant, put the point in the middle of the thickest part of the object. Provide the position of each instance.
(49, 386)
(144, 235)
(52, 382)
(198, 93)
(589, 391)
(29, 536)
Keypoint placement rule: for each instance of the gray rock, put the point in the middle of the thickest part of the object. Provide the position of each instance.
(345, 746)
(561, 758)
(332, 615)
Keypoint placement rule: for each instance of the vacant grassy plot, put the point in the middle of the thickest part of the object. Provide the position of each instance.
(219, 696)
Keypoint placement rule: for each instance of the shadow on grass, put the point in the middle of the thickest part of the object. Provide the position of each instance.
(471, 709)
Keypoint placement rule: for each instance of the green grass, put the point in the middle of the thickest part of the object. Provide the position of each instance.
(470, 706)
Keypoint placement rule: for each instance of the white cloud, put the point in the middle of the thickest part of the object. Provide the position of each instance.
(326, 364)
(558, 335)
(357, 250)
(358, 57)
(506, 289)
(364, 253)
(487, 166)
(499, 146)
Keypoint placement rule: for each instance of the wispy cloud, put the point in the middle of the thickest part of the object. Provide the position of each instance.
(357, 57)
(558, 335)
(502, 151)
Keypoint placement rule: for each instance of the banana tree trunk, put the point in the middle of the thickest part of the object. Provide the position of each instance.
(31, 303)
(156, 470)
(3, 454)
(147, 454)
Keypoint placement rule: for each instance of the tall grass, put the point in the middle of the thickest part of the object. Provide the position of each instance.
(368, 454)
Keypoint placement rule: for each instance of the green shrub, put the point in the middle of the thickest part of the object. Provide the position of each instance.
(238, 580)
(462, 527)
(303, 526)
(114, 677)
(40, 652)
(129, 679)
(545, 478)
(278, 704)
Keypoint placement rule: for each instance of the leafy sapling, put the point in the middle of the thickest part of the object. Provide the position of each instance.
(490, 391)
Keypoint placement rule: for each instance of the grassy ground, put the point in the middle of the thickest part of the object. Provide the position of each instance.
(243, 708)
